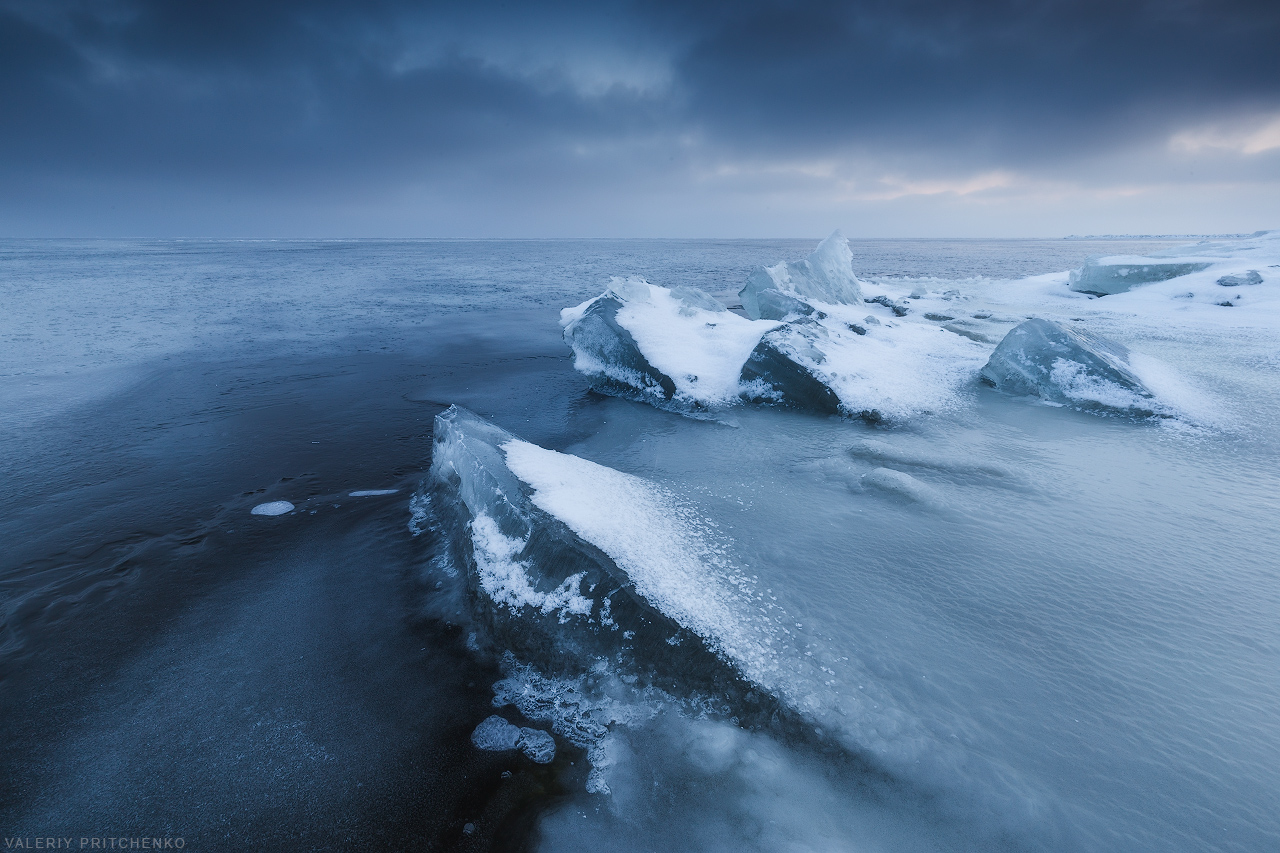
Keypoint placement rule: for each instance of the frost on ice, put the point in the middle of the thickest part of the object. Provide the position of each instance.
(1068, 366)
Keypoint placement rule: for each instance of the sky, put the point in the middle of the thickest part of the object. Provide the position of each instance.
(389, 118)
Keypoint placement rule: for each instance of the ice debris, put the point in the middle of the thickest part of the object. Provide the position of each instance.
(1068, 366)
(826, 276)
(497, 735)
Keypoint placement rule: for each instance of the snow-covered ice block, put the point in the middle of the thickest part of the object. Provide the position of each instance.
(1117, 274)
(607, 352)
(825, 276)
(675, 348)
(782, 369)
(1245, 278)
(1068, 366)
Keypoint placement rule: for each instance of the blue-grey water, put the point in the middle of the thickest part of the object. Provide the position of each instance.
(1070, 641)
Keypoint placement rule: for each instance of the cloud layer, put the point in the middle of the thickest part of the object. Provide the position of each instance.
(743, 118)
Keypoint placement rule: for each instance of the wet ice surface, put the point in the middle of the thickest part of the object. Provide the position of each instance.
(1009, 625)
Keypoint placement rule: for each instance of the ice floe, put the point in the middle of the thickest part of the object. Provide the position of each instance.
(272, 508)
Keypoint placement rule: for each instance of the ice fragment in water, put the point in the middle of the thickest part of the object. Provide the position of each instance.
(825, 276)
(1108, 276)
(1251, 277)
(371, 493)
(1066, 365)
(677, 349)
(496, 735)
(538, 745)
(272, 508)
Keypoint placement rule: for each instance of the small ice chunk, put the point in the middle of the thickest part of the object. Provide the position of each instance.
(272, 508)
(1066, 365)
(1250, 277)
(871, 320)
(1108, 276)
(898, 309)
(496, 735)
(825, 276)
(371, 493)
(538, 745)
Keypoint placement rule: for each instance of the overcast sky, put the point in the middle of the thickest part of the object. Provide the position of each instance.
(746, 119)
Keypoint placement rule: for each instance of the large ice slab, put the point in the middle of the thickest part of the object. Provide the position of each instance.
(826, 276)
(1068, 366)
(1108, 276)
(569, 561)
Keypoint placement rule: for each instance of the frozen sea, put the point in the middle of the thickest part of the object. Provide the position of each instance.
(1041, 629)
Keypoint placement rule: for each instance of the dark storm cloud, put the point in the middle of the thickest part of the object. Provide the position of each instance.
(297, 97)
(1000, 76)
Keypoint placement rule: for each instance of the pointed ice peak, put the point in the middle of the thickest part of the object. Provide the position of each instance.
(825, 276)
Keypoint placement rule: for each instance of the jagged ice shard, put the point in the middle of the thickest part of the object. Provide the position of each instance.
(773, 293)
(1067, 366)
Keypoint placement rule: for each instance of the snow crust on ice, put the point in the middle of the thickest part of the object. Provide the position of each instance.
(272, 508)
(825, 276)
(664, 549)
(678, 346)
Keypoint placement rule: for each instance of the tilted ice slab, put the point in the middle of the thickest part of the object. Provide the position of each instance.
(774, 293)
(1068, 366)
(570, 562)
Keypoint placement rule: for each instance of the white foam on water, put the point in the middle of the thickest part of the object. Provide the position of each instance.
(272, 508)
